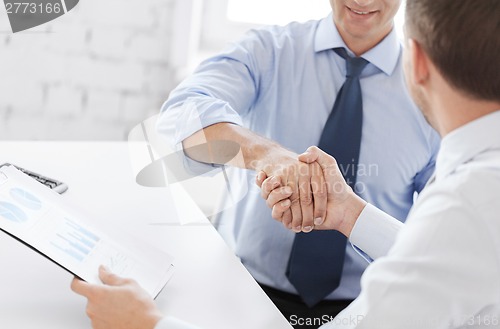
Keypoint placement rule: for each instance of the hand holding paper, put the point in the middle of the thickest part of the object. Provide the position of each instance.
(119, 303)
(38, 217)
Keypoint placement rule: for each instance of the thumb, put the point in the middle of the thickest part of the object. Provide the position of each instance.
(108, 278)
(314, 153)
(310, 155)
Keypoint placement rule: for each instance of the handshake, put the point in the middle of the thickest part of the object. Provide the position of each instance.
(309, 192)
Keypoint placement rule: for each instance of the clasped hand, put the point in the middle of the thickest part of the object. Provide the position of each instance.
(314, 197)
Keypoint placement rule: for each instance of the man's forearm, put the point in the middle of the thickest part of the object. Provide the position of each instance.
(216, 144)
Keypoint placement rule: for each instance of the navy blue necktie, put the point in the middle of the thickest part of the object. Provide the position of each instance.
(317, 258)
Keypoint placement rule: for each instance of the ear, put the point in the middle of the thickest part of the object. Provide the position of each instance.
(419, 63)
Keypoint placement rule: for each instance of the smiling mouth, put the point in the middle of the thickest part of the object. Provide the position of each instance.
(358, 12)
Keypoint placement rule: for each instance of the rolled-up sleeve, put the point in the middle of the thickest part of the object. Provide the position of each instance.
(222, 89)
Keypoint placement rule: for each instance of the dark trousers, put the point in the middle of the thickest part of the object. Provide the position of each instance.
(299, 314)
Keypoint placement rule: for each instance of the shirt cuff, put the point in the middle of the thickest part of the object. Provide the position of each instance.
(375, 231)
(169, 322)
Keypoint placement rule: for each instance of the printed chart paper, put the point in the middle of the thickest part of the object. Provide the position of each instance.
(37, 217)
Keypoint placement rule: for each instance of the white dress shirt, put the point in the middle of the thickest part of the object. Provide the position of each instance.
(443, 270)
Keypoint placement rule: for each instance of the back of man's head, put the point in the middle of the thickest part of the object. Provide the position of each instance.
(462, 38)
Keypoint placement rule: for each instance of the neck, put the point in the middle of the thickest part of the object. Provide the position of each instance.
(454, 109)
(361, 44)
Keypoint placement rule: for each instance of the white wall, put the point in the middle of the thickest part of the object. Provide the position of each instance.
(91, 74)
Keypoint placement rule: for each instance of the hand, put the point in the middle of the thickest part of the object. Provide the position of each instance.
(343, 205)
(306, 189)
(118, 304)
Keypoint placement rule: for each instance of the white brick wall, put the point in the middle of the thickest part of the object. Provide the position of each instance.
(91, 74)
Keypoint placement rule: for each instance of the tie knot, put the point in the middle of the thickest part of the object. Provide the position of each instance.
(354, 65)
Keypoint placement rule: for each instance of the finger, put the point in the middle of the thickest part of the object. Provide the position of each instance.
(292, 180)
(279, 209)
(286, 220)
(261, 176)
(80, 287)
(313, 153)
(319, 191)
(296, 211)
(268, 185)
(306, 201)
(277, 195)
(109, 278)
(309, 156)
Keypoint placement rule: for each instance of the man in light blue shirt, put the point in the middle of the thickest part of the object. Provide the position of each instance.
(281, 83)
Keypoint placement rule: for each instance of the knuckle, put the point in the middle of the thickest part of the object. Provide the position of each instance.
(267, 183)
(274, 204)
(306, 200)
(294, 203)
(276, 214)
(321, 194)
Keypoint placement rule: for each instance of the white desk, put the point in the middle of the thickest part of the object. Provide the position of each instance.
(209, 288)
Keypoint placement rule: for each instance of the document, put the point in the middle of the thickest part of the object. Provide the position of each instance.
(37, 216)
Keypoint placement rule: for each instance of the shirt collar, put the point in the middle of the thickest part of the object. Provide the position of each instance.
(384, 55)
(465, 143)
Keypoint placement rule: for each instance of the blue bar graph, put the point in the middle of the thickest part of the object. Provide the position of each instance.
(78, 228)
(69, 251)
(75, 240)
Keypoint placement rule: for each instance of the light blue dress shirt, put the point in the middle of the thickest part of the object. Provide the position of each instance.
(281, 82)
